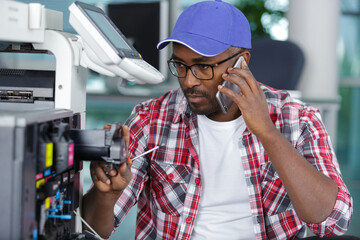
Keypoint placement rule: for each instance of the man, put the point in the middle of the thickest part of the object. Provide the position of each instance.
(264, 170)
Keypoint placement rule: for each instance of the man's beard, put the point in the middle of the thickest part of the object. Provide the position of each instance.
(212, 106)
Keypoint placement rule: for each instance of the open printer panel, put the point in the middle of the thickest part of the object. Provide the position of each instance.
(41, 179)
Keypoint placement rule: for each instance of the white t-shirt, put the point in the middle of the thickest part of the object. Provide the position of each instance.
(224, 208)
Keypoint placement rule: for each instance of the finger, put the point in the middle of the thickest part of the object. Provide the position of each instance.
(93, 166)
(123, 169)
(100, 174)
(124, 172)
(126, 134)
(247, 75)
(110, 169)
(251, 79)
(126, 137)
(237, 98)
(239, 81)
(122, 179)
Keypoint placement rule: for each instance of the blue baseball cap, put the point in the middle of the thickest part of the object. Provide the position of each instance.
(210, 27)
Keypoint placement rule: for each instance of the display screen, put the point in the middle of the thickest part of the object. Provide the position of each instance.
(109, 31)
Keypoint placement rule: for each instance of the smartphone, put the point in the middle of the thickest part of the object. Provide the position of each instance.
(224, 101)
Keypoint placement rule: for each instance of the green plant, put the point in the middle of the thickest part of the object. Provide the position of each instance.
(262, 15)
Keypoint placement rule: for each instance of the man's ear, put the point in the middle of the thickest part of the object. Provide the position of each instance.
(247, 56)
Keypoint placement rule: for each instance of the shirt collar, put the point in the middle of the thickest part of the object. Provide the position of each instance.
(182, 109)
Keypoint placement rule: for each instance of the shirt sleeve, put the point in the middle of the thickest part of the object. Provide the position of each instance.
(138, 127)
(315, 145)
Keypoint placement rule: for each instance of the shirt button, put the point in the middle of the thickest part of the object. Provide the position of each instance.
(188, 220)
(170, 176)
(197, 180)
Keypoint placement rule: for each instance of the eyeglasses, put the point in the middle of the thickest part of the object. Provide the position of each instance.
(200, 71)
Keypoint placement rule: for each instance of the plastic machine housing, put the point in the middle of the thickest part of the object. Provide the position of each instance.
(39, 175)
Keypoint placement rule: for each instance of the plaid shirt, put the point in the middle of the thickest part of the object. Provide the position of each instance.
(166, 184)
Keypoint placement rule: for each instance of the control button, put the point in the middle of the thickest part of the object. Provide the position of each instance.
(197, 180)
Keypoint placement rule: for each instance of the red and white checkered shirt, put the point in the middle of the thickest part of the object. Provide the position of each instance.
(166, 184)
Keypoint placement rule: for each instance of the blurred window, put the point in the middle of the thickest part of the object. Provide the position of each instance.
(348, 136)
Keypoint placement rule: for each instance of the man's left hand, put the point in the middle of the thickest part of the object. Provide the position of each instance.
(251, 100)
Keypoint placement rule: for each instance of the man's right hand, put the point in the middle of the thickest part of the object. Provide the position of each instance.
(115, 183)
(117, 179)
(99, 201)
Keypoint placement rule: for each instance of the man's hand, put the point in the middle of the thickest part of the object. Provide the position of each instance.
(112, 181)
(98, 203)
(308, 188)
(115, 182)
(251, 99)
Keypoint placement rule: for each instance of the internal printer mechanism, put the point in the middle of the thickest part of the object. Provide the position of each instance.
(41, 153)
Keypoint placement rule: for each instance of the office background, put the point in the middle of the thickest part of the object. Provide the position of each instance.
(337, 95)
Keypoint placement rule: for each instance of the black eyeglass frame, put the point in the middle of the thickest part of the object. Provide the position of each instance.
(209, 65)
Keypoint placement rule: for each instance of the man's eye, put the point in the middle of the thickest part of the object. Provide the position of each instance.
(179, 65)
(203, 67)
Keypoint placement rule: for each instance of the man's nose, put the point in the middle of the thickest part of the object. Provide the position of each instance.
(191, 80)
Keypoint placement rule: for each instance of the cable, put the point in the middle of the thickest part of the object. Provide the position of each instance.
(82, 220)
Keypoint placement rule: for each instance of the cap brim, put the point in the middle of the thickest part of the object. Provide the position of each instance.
(201, 45)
